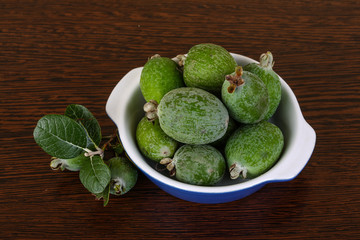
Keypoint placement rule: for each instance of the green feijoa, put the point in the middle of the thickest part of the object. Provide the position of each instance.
(264, 70)
(72, 164)
(245, 96)
(206, 65)
(253, 149)
(159, 75)
(153, 142)
(192, 116)
(123, 175)
(197, 164)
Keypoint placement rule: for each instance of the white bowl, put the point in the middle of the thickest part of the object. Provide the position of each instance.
(125, 108)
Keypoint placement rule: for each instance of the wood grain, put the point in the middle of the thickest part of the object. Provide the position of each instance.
(55, 53)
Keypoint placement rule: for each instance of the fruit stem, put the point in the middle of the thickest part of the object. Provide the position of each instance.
(267, 60)
(235, 80)
(90, 153)
(111, 138)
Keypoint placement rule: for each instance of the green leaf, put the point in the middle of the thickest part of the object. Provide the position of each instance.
(60, 136)
(83, 116)
(105, 195)
(95, 175)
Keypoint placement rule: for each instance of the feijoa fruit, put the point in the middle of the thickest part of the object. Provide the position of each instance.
(253, 149)
(206, 65)
(159, 75)
(123, 175)
(264, 70)
(153, 142)
(197, 164)
(192, 116)
(245, 96)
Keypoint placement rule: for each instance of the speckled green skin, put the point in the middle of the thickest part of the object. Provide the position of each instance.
(193, 116)
(153, 142)
(75, 164)
(199, 164)
(256, 147)
(249, 102)
(123, 171)
(206, 66)
(159, 76)
(272, 83)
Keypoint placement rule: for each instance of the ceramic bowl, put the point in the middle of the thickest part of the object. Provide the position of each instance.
(125, 108)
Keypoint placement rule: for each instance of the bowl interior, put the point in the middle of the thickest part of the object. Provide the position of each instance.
(125, 108)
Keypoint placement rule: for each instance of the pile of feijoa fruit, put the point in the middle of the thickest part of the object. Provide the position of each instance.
(205, 115)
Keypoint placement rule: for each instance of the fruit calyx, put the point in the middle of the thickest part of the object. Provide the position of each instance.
(180, 59)
(155, 56)
(57, 163)
(119, 186)
(170, 165)
(235, 80)
(267, 60)
(236, 170)
(150, 109)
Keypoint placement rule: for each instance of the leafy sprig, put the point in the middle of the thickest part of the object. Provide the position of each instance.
(73, 141)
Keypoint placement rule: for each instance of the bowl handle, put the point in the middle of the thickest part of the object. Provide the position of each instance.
(290, 169)
(112, 104)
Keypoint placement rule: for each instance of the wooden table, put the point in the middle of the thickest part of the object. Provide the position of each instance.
(55, 53)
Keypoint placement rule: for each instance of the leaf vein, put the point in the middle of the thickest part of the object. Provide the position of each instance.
(61, 139)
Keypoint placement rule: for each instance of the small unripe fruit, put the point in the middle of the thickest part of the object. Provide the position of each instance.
(123, 175)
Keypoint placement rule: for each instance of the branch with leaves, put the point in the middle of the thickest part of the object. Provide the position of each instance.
(73, 141)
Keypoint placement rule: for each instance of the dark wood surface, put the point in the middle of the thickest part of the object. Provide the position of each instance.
(55, 53)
